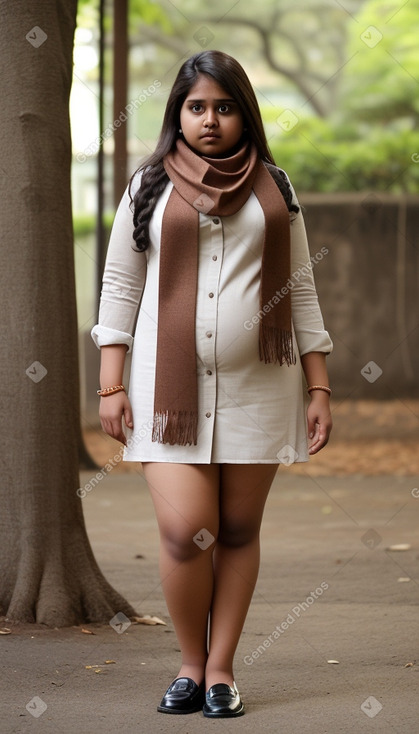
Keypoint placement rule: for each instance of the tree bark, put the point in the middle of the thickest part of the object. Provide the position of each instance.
(47, 569)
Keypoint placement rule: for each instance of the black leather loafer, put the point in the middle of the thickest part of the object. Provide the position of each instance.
(222, 700)
(183, 696)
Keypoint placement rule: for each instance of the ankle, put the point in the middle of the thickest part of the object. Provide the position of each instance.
(195, 672)
(213, 676)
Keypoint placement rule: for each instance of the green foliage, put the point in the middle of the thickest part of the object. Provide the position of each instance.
(338, 158)
(85, 224)
(150, 13)
(372, 140)
(382, 78)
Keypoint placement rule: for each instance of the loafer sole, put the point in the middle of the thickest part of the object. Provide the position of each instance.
(222, 714)
(164, 710)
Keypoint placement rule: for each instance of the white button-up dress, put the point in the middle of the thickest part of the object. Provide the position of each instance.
(249, 412)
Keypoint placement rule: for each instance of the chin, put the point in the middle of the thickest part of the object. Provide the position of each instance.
(213, 149)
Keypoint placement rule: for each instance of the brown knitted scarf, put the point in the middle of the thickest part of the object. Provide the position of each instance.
(214, 186)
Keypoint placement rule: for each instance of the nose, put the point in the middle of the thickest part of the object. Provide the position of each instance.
(211, 119)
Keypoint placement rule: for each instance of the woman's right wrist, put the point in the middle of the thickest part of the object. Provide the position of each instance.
(104, 392)
(112, 365)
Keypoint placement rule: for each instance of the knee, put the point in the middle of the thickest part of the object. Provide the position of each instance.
(186, 545)
(236, 535)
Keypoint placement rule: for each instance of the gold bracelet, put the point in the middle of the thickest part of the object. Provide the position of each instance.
(110, 390)
(319, 387)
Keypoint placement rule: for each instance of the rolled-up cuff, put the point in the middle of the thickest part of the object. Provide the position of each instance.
(103, 336)
(314, 341)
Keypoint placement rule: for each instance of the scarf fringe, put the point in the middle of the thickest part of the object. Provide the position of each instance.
(276, 345)
(175, 427)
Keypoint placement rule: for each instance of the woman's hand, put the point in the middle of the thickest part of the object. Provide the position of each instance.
(111, 410)
(319, 421)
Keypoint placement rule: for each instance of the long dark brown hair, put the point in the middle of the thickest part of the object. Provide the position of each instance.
(230, 75)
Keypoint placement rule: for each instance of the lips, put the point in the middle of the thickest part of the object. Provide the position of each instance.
(210, 135)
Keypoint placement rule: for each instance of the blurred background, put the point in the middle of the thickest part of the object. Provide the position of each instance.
(338, 87)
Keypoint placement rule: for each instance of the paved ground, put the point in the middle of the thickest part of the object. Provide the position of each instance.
(319, 534)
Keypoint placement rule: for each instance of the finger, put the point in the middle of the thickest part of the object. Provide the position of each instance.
(313, 430)
(128, 416)
(315, 435)
(311, 426)
(118, 433)
(320, 441)
(114, 429)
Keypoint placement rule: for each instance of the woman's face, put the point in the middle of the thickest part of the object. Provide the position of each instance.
(211, 121)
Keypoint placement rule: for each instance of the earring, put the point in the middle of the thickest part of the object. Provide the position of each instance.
(180, 130)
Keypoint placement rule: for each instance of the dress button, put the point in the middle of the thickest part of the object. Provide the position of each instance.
(214, 257)
(216, 220)
(208, 415)
(209, 372)
(211, 295)
(209, 334)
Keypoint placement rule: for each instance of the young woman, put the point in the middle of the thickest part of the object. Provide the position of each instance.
(208, 264)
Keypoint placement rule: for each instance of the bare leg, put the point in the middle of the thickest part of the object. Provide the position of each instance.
(186, 500)
(243, 492)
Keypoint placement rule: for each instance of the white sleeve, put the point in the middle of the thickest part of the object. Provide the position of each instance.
(123, 282)
(306, 314)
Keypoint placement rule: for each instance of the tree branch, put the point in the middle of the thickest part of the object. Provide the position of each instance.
(151, 34)
(294, 75)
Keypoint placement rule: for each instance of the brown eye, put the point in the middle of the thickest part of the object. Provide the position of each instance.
(223, 108)
(196, 108)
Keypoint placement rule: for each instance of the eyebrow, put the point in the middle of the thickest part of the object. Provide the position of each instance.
(189, 99)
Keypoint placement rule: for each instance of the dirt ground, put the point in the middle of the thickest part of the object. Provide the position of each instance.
(330, 589)
(369, 438)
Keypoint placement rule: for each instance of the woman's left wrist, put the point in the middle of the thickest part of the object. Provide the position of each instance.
(315, 390)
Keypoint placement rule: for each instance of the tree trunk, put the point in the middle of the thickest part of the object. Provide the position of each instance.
(47, 569)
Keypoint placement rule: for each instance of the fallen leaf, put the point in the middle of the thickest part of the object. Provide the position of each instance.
(89, 667)
(5, 631)
(87, 632)
(147, 620)
(110, 662)
(333, 662)
(409, 665)
(399, 547)
(401, 579)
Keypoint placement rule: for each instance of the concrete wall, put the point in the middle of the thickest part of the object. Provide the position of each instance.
(368, 291)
